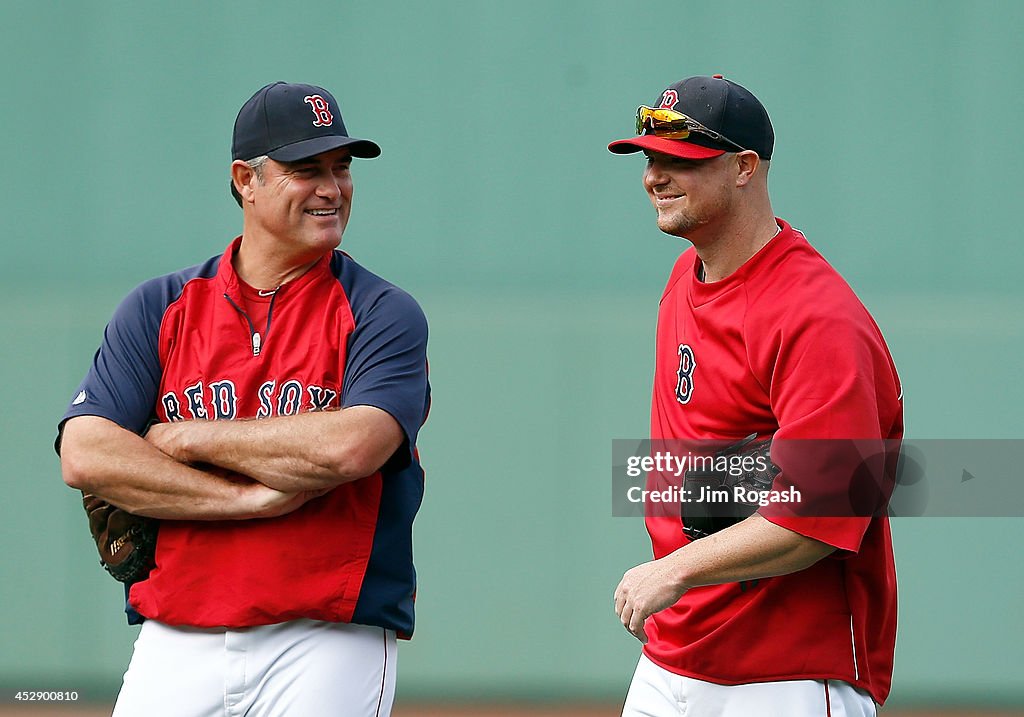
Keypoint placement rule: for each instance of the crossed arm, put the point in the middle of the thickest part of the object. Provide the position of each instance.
(267, 467)
(752, 549)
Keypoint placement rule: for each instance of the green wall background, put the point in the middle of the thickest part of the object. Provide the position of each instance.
(536, 258)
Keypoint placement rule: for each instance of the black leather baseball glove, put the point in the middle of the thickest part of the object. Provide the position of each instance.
(722, 494)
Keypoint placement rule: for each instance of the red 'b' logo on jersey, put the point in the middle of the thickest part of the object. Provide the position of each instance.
(669, 99)
(322, 116)
(684, 384)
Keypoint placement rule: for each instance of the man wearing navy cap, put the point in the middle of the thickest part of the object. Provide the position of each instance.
(264, 406)
(763, 352)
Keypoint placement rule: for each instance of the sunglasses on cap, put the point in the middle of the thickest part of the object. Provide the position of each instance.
(663, 122)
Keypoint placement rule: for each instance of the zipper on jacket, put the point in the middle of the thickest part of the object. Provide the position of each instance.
(256, 338)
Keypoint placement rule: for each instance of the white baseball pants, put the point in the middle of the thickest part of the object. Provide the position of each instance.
(303, 667)
(656, 692)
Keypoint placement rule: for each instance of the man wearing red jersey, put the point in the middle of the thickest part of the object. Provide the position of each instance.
(784, 612)
(264, 405)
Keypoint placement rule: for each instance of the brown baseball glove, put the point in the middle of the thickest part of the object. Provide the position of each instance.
(126, 542)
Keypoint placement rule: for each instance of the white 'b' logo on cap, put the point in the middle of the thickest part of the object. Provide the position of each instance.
(669, 99)
(321, 111)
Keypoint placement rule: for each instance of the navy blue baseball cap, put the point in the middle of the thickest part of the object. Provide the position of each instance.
(289, 122)
(714, 103)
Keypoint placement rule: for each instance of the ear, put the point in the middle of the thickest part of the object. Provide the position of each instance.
(747, 163)
(244, 177)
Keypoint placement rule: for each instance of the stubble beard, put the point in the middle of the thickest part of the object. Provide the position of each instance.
(684, 221)
(678, 224)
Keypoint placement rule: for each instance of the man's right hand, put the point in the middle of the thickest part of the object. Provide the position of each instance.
(267, 502)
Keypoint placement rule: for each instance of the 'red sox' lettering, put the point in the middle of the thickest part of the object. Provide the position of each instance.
(219, 400)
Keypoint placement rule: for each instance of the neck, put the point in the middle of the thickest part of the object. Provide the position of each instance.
(728, 250)
(263, 269)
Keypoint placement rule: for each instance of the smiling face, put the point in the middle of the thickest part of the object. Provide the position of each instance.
(689, 194)
(300, 208)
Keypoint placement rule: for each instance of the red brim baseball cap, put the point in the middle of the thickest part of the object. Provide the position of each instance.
(663, 145)
(721, 106)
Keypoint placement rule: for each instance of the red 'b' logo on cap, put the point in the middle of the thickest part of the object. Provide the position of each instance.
(669, 99)
(322, 116)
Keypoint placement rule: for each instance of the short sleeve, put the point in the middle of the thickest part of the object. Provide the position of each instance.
(386, 363)
(124, 378)
(835, 394)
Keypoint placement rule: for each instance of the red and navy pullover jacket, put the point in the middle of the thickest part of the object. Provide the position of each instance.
(183, 347)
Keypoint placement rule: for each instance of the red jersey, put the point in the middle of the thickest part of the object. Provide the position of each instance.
(201, 345)
(781, 347)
